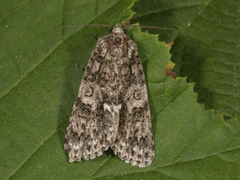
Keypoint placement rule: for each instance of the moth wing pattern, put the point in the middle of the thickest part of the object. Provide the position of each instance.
(112, 109)
(90, 131)
(134, 142)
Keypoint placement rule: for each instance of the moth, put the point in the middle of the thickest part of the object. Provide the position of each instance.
(112, 108)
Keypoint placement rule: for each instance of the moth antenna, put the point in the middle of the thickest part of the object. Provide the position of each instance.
(126, 26)
(151, 27)
(103, 25)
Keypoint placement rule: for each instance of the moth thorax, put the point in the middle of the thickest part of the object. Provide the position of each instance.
(118, 29)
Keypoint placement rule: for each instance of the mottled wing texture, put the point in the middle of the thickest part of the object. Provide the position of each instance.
(91, 129)
(112, 106)
(134, 142)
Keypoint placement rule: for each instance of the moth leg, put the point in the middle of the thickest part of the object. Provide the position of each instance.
(96, 38)
(81, 68)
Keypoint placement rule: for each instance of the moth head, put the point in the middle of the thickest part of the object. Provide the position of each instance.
(118, 29)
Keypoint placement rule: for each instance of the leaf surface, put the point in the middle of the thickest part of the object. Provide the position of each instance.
(39, 83)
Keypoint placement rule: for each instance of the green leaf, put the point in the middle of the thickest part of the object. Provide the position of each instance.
(39, 83)
(206, 46)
